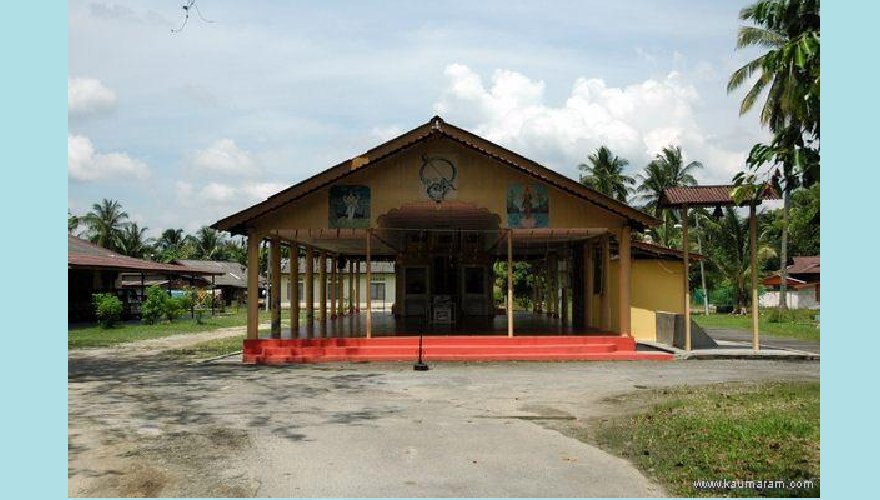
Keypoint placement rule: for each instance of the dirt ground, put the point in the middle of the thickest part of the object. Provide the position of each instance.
(142, 426)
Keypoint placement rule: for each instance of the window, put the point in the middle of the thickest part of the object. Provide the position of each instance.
(377, 291)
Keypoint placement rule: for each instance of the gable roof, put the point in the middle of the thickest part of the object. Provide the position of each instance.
(86, 255)
(706, 195)
(436, 127)
(808, 264)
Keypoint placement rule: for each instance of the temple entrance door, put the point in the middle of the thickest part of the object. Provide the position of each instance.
(446, 304)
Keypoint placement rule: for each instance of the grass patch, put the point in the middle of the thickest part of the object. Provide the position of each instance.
(731, 431)
(799, 326)
(207, 349)
(94, 336)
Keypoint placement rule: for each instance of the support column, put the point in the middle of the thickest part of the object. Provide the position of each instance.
(369, 287)
(685, 249)
(322, 292)
(510, 283)
(275, 287)
(606, 274)
(625, 280)
(564, 286)
(294, 290)
(350, 265)
(309, 285)
(253, 284)
(334, 288)
(357, 287)
(753, 230)
(588, 284)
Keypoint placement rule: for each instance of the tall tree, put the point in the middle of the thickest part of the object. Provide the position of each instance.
(209, 243)
(105, 223)
(132, 242)
(665, 171)
(789, 73)
(73, 222)
(604, 173)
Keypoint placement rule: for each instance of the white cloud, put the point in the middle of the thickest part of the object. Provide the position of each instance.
(636, 121)
(225, 157)
(85, 164)
(261, 190)
(88, 96)
(217, 193)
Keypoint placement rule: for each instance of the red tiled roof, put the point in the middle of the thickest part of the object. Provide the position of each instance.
(82, 254)
(706, 195)
(805, 265)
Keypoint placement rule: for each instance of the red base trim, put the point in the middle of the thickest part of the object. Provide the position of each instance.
(447, 348)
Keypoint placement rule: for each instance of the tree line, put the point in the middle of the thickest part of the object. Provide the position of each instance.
(108, 225)
(786, 76)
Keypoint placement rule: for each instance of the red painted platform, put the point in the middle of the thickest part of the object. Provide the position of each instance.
(447, 348)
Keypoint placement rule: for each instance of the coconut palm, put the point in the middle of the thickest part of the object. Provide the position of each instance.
(132, 242)
(209, 243)
(605, 174)
(105, 223)
(789, 72)
(73, 223)
(665, 171)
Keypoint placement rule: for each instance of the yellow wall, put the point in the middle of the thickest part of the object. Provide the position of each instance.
(657, 285)
(481, 180)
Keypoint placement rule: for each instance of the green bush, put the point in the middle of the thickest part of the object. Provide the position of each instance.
(174, 308)
(153, 307)
(108, 309)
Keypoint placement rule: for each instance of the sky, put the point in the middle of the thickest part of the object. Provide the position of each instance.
(250, 97)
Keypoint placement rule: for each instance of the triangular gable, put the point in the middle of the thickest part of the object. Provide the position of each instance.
(238, 222)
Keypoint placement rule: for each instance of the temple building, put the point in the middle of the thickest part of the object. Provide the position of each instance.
(452, 215)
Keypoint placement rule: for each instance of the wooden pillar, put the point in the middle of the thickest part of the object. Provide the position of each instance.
(351, 286)
(213, 291)
(606, 274)
(588, 284)
(334, 281)
(685, 249)
(309, 285)
(510, 283)
(357, 287)
(625, 281)
(564, 289)
(294, 290)
(753, 230)
(369, 288)
(253, 284)
(275, 287)
(322, 291)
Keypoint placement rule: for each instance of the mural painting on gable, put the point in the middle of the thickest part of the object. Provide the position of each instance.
(349, 207)
(438, 175)
(528, 206)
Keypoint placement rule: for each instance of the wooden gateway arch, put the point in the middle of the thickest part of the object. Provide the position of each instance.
(442, 209)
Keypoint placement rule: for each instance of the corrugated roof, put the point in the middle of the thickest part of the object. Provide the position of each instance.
(226, 273)
(706, 195)
(85, 255)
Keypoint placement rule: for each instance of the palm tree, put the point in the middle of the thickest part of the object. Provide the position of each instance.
(728, 249)
(665, 171)
(72, 223)
(605, 174)
(105, 223)
(170, 239)
(131, 241)
(789, 72)
(208, 242)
